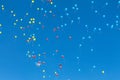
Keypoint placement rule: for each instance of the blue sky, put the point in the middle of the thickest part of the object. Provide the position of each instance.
(81, 35)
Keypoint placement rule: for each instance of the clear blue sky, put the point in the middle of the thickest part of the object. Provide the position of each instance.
(81, 35)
